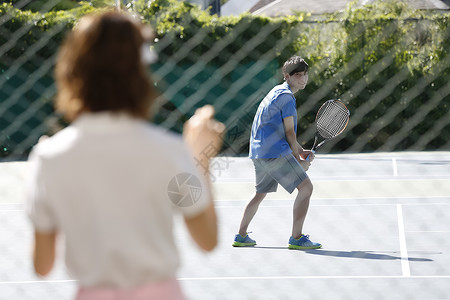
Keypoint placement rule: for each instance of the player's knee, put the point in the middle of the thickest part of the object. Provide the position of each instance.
(306, 186)
(309, 188)
(256, 200)
(259, 197)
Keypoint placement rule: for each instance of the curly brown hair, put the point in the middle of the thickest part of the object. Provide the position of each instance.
(100, 68)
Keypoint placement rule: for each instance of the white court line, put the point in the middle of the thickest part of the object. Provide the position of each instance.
(290, 205)
(312, 199)
(257, 278)
(244, 202)
(402, 239)
(346, 198)
(428, 231)
(313, 277)
(394, 166)
(379, 178)
(38, 281)
(335, 205)
(321, 178)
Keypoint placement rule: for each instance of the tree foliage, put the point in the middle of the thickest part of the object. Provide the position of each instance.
(385, 56)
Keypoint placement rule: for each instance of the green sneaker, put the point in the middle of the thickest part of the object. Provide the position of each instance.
(303, 243)
(243, 241)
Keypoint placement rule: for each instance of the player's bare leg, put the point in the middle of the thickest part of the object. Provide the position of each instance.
(249, 212)
(301, 206)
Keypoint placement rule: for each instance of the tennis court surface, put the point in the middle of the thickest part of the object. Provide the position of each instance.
(383, 220)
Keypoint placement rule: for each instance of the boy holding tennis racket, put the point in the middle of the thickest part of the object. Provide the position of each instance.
(278, 157)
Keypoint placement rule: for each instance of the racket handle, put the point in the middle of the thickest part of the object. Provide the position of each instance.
(307, 158)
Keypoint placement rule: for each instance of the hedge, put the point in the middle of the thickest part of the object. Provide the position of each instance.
(355, 55)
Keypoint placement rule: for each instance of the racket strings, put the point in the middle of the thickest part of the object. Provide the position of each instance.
(332, 119)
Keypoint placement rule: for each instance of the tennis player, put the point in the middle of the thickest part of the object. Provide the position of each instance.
(278, 157)
(102, 182)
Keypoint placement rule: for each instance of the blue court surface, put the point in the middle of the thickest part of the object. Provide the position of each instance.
(383, 220)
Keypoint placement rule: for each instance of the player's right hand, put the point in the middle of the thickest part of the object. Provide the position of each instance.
(305, 164)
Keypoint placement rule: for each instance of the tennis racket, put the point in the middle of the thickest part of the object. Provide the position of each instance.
(331, 120)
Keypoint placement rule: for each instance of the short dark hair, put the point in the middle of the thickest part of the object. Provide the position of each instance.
(294, 65)
(99, 67)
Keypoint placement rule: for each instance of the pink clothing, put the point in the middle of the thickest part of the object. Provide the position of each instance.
(167, 290)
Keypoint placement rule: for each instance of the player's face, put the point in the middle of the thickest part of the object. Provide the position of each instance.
(298, 80)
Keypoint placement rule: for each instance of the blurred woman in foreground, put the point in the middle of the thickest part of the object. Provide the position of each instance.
(106, 182)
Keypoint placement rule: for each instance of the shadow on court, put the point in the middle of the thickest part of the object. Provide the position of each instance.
(362, 255)
(346, 254)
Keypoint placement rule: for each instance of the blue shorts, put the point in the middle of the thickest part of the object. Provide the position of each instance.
(285, 171)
